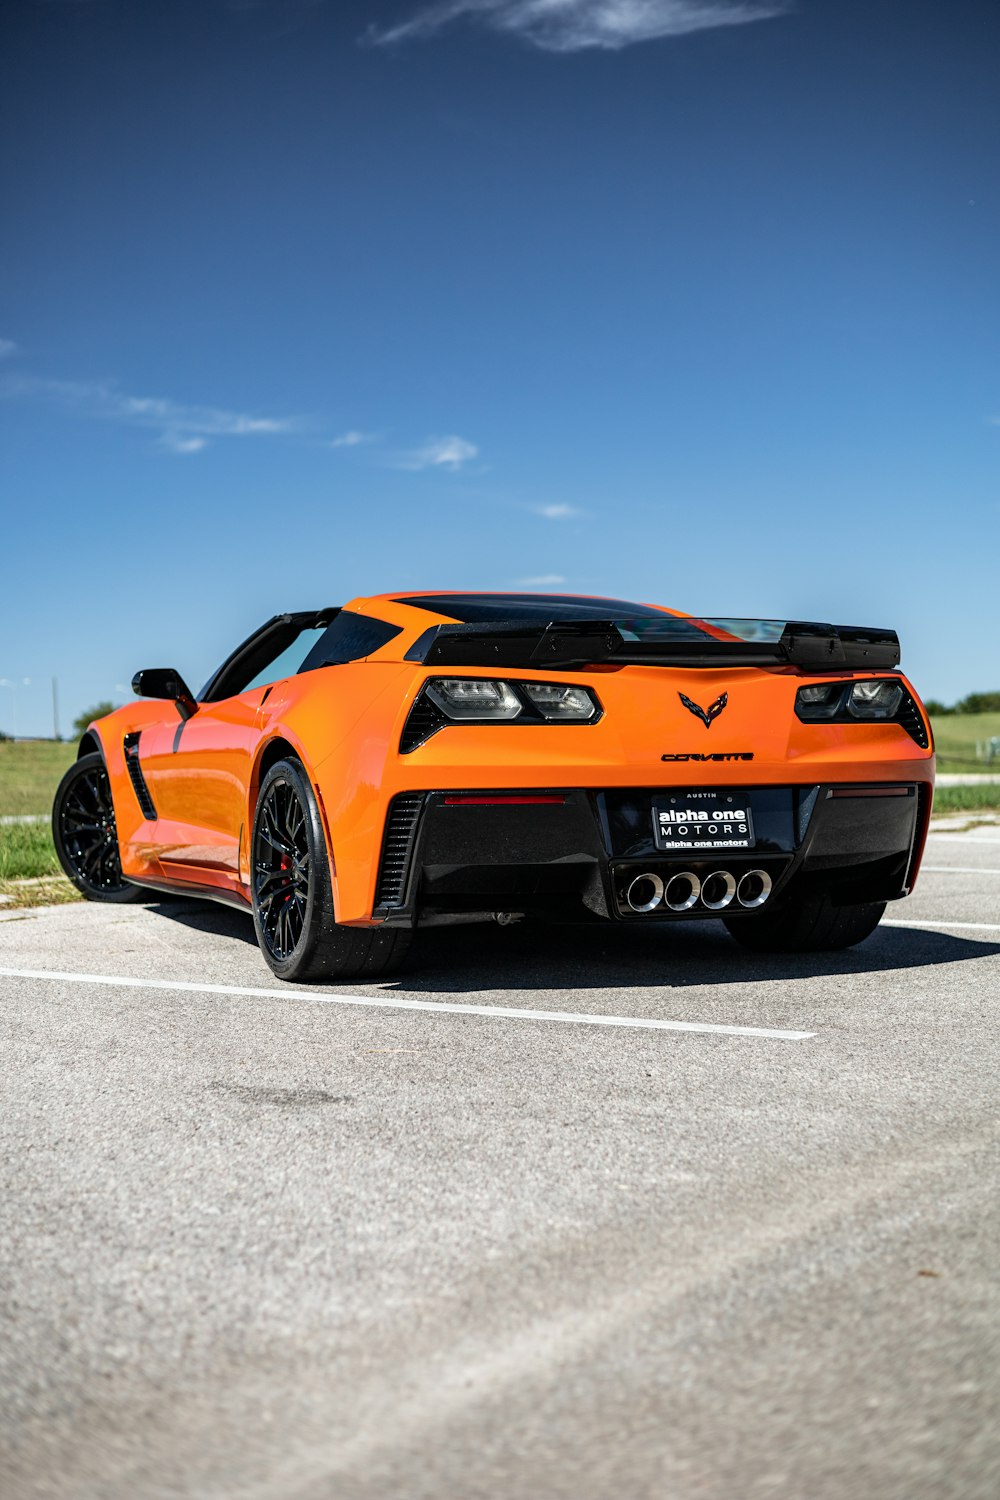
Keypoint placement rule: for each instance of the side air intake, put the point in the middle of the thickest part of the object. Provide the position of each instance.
(136, 777)
(397, 848)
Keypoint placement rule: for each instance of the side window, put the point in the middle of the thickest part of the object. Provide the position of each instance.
(348, 638)
(288, 662)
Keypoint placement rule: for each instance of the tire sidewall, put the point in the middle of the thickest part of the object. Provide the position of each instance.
(319, 901)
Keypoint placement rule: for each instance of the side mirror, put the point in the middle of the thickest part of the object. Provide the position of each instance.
(165, 682)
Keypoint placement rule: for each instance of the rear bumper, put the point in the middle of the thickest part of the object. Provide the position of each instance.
(566, 852)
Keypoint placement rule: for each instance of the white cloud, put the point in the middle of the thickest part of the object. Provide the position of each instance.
(182, 429)
(543, 580)
(353, 439)
(558, 512)
(572, 25)
(440, 453)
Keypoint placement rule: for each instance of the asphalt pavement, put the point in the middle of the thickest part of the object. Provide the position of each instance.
(500, 1231)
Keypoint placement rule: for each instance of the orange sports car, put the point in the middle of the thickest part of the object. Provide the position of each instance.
(349, 775)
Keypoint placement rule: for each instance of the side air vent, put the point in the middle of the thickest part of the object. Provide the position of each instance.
(423, 720)
(136, 777)
(911, 719)
(397, 848)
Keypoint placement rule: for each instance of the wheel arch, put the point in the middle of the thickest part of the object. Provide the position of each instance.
(275, 750)
(90, 744)
(280, 747)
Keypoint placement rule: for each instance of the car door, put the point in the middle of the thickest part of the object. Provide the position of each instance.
(197, 768)
(198, 772)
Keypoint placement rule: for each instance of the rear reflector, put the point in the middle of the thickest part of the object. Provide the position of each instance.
(872, 791)
(512, 801)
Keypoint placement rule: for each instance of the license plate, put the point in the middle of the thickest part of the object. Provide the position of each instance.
(698, 822)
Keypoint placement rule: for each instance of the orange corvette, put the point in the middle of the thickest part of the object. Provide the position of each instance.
(349, 775)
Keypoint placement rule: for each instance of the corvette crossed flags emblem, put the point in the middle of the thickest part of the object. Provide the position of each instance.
(706, 715)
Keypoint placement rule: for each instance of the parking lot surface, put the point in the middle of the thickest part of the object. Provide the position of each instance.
(500, 1231)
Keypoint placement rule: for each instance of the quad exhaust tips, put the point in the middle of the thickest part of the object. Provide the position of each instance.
(645, 893)
(685, 890)
(754, 888)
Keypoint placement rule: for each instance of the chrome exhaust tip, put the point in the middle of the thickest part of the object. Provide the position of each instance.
(717, 890)
(645, 893)
(753, 889)
(682, 891)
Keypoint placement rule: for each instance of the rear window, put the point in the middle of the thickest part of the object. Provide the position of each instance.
(475, 609)
(348, 638)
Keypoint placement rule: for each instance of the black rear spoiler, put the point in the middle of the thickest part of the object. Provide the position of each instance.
(677, 641)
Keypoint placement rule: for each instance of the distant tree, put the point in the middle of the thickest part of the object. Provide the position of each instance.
(4, 737)
(979, 703)
(936, 709)
(89, 714)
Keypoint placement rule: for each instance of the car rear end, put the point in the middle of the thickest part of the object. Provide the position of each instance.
(686, 773)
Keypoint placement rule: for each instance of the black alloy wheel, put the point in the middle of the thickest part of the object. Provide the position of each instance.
(281, 863)
(293, 895)
(85, 836)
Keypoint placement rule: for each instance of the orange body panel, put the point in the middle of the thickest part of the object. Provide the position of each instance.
(344, 724)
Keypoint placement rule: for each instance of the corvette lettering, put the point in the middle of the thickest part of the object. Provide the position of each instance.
(720, 755)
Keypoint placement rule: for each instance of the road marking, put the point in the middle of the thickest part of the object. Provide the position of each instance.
(380, 1002)
(901, 922)
(956, 870)
(962, 838)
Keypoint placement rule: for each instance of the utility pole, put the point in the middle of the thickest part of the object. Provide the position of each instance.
(55, 708)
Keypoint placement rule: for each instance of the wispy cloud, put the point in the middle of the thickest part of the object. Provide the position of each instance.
(175, 442)
(558, 512)
(541, 580)
(354, 439)
(7, 348)
(439, 453)
(572, 25)
(182, 428)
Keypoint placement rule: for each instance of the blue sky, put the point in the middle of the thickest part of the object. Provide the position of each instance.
(680, 301)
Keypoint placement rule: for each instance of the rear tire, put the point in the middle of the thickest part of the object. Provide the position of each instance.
(85, 836)
(293, 896)
(807, 924)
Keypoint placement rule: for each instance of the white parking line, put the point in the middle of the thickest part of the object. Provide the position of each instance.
(381, 1002)
(962, 838)
(945, 926)
(955, 870)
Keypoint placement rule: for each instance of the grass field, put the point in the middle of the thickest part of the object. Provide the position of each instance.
(30, 771)
(956, 737)
(948, 799)
(29, 774)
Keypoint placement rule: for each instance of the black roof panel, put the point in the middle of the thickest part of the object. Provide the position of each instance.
(474, 609)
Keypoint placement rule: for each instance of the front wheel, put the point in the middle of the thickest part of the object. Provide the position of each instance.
(85, 836)
(292, 893)
(807, 924)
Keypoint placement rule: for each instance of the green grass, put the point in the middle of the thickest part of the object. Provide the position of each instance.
(956, 737)
(27, 851)
(30, 771)
(967, 798)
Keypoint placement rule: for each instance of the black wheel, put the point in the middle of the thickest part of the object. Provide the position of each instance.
(292, 895)
(807, 924)
(85, 836)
